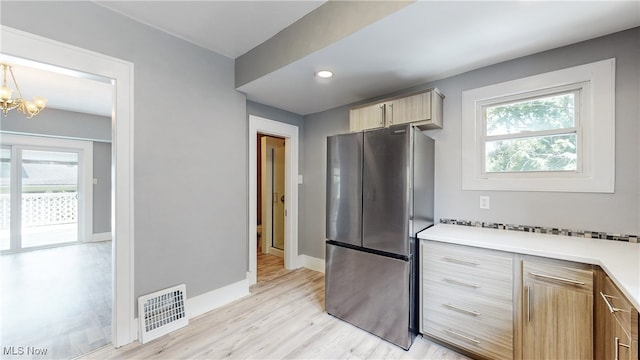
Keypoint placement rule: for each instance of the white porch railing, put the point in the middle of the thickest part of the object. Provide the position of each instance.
(40, 209)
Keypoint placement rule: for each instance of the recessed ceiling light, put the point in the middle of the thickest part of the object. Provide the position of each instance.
(325, 74)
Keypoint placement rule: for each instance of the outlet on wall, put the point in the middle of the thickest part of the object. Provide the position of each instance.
(484, 202)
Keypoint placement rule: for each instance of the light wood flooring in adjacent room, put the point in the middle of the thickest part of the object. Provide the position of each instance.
(57, 300)
(283, 318)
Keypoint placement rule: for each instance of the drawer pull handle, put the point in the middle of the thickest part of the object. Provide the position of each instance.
(528, 303)
(463, 283)
(470, 339)
(470, 312)
(612, 309)
(460, 261)
(616, 345)
(569, 281)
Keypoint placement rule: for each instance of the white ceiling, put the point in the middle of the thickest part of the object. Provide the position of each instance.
(230, 28)
(424, 41)
(430, 40)
(64, 89)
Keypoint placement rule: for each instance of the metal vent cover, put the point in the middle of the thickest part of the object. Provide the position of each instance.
(162, 312)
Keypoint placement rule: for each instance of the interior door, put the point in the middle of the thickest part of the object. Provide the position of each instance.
(278, 194)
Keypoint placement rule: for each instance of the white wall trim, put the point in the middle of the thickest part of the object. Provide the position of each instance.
(290, 133)
(209, 301)
(214, 299)
(312, 263)
(54, 55)
(276, 252)
(104, 236)
(597, 172)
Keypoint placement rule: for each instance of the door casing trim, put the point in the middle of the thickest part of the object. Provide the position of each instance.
(42, 50)
(290, 134)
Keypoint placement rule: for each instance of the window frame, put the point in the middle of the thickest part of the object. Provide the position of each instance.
(594, 84)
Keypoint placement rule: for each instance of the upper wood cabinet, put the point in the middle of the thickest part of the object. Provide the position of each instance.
(558, 306)
(366, 117)
(423, 109)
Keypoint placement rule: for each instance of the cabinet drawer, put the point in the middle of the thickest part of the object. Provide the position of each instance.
(468, 283)
(618, 305)
(477, 312)
(467, 298)
(467, 262)
(489, 342)
(561, 273)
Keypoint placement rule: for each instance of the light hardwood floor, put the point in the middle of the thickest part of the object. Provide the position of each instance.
(57, 300)
(283, 318)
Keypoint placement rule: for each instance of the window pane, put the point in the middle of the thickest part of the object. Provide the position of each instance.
(544, 113)
(541, 153)
(5, 198)
(49, 197)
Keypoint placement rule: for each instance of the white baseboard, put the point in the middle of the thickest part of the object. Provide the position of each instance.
(311, 263)
(275, 251)
(206, 302)
(105, 236)
(203, 303)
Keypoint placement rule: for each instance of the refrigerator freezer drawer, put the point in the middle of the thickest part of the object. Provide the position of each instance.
(372, 292)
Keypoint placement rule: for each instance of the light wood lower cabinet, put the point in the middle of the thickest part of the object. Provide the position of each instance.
(557, 310)
(500, 305)
(616, 320)
(467, 298)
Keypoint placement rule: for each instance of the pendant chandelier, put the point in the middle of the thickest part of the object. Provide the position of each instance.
(28, 108)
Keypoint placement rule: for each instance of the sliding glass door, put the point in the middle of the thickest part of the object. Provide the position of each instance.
(39, 189)
(5, 198)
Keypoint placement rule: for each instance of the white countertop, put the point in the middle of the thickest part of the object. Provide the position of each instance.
(619, 259)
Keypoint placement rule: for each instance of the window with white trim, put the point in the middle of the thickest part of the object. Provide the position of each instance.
(548, 132)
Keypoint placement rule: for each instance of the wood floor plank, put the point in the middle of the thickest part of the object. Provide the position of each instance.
(283, 318)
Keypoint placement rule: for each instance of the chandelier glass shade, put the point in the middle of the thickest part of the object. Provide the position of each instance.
(7, 102)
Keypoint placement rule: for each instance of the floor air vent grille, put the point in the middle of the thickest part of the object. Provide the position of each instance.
(162, 312)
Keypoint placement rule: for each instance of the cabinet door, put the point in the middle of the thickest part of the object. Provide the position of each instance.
(558, 311)
(621, 343)
(557, 323)
(409, 109)
(604, 328)
(368, 117)
(616, 322)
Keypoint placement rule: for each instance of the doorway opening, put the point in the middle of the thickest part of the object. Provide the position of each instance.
(54, 262)
(52, 55)
(271, 195)
(285, 200)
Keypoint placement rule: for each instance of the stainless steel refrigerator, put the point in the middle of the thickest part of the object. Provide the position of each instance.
(379, 196)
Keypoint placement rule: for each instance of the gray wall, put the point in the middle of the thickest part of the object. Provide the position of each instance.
(271, 113)
(617, 213)
(312, 197)
(189, 154)
(61, 123)
(75, 125)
